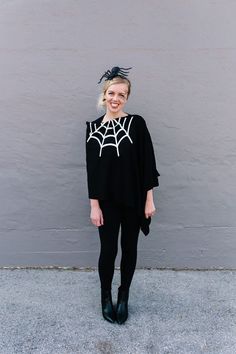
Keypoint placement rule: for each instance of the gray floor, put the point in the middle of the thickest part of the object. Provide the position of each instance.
(170, 312)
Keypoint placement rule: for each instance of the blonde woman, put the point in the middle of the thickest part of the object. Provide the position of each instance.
(121, 174)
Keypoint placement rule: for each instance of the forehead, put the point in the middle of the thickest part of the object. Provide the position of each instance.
(118, 88)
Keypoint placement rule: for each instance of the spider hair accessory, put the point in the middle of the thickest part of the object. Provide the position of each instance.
(115, 71)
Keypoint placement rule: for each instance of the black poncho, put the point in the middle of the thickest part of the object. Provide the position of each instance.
(121, 164)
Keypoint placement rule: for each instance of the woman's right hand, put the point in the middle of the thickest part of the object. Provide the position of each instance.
(96, 216)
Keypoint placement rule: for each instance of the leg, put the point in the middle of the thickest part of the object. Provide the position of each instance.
(108, 234)
(129, 241)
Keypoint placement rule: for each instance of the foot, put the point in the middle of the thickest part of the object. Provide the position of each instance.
(122, 306)
(107, 306)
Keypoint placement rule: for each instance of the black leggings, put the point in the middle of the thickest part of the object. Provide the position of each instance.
(114, 217)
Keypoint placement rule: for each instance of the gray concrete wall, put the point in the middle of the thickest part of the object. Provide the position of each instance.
(183, 55)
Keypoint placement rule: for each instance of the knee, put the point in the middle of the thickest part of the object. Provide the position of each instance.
(129, 249)
(109, 253)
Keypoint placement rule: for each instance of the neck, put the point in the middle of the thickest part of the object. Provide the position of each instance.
(111, 115)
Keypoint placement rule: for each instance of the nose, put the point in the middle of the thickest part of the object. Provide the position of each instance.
(115, 98)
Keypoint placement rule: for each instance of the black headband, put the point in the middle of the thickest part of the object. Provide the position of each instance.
(115, 71)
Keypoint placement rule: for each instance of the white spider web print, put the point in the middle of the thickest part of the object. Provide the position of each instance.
(115, 131)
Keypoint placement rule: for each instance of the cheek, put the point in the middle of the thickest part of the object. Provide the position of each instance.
(108, 98)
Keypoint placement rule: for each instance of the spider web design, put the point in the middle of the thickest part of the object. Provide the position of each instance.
(115, 131)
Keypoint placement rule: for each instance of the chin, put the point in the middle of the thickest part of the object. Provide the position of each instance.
(114, 110)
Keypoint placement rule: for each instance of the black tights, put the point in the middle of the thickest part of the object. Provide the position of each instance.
(114, 217)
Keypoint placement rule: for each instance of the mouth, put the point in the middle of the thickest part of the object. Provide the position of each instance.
(114, 105)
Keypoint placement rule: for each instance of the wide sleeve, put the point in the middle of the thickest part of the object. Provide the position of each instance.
(91, 165)
(150, 172)
(147, 170)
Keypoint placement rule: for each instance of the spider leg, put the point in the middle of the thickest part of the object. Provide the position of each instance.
(106, 74)
(125, 69)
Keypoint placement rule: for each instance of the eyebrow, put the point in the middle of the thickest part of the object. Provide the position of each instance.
(118, 92)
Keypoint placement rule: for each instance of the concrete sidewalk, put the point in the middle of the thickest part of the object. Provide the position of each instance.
(170, 312)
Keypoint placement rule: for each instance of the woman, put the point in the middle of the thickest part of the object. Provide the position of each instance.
(121, 173)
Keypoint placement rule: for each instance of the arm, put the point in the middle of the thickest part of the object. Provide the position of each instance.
(149, 204)
(96, 215)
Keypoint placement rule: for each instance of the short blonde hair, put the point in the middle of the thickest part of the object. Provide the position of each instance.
(116, 80)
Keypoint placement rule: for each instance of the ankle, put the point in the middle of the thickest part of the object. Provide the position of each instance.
(123, 288)
(123, 295)
(105, 289)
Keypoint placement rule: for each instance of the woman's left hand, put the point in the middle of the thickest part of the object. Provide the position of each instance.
(149, 208)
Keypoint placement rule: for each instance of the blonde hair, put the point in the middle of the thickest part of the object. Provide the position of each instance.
(116, 80)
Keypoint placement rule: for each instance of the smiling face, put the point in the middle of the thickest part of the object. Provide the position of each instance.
(115, 97)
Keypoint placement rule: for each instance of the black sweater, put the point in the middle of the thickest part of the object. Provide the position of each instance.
(121, 164)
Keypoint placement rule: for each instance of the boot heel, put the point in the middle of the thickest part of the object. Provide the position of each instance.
(107, 306)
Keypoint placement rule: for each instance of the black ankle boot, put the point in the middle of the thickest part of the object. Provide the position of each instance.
(107, 306)
(122, 306)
